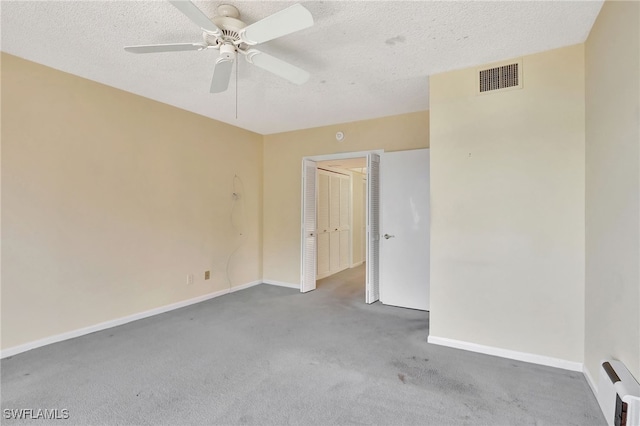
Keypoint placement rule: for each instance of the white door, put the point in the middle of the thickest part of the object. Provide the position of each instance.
(345, 223)
(308, 276)
(323, 225)
(364, 220)
(404, 224)
(372, 292)
(333, 232)
(334, 223)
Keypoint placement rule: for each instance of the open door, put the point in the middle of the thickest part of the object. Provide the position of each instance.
(404, 214)
(308, 278)
(373, 228)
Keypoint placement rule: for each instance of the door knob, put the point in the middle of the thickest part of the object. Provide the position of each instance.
(387, 236)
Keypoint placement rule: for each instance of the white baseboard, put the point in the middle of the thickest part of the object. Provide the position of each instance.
(590, 381)
(282, 284)
(243, 286)
(119, 321)
(355, 265)
(506, 353)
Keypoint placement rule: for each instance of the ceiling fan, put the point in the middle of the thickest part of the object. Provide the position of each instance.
(228, 34)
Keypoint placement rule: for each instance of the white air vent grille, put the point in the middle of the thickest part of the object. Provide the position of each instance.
(501, 77)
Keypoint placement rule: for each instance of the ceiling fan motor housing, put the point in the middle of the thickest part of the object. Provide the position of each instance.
(230, 27)
(227, 52)
(228, 10)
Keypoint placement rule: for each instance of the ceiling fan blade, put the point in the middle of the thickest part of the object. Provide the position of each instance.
(287, 21)
(175, 47)
(277, 66)
(196, 15)
(221, 75)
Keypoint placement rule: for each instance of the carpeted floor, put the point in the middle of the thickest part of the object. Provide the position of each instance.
(270, 355)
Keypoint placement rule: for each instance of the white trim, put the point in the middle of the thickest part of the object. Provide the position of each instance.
(506, 353)
(282, 284)
(119, 321)
(343, 155)
(303, 215)
(355, 265)
(244, 286)
(590, 381)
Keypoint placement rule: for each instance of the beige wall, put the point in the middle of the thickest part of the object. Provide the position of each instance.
(613, 187)
(283, 155)
(109, 200)
(507, 208)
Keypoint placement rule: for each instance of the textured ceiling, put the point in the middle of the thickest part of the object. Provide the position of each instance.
(366, 59)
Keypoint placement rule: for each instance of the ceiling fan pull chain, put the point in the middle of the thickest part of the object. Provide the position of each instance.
(237, 66)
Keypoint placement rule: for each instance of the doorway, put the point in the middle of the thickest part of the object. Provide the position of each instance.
(321, 235)
(397, 265)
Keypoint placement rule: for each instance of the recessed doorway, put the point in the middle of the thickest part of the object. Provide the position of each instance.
(339, 219)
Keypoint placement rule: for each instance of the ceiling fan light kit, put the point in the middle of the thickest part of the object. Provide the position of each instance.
(228, 34)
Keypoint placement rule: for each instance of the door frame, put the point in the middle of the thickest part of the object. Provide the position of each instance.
(316, 158)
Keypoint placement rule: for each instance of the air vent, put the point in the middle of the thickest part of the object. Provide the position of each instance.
(502, 77)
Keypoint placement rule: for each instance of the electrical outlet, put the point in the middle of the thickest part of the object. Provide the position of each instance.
(207, 275)
(189, 279)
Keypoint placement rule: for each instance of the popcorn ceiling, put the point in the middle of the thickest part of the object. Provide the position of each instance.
(366, 59)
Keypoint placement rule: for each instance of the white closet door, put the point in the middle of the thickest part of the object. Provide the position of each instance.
(334, 203)
(309, 199)
(345, 198)
(343, 262)
(324, 253)
(323, 201)
(323, 224)
(345, 228)
(334, 252)
(373, 229)
(334, 223)
(334, 226)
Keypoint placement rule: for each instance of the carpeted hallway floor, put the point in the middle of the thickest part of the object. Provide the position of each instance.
(270, 355)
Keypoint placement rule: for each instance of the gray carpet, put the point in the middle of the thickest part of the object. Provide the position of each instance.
(270, 355)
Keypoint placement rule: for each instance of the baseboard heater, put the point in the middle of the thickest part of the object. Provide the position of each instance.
(618, 394)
